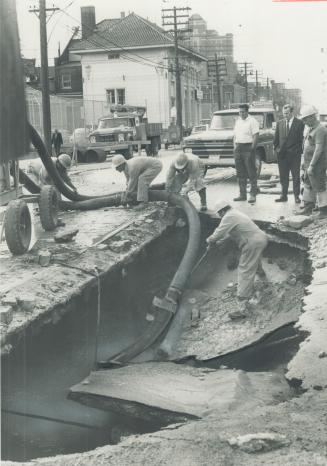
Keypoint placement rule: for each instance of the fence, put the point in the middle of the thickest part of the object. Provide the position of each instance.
(67, 114)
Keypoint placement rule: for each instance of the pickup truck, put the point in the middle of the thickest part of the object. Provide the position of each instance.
(215, 146)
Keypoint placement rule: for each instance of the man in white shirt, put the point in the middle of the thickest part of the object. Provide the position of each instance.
(246, 133)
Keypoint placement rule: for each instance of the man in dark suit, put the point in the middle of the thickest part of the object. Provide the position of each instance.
(288, 143)
(57, 141)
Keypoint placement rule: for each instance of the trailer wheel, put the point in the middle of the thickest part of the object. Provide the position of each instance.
(18, 227)
(48, 205)
(98, 155)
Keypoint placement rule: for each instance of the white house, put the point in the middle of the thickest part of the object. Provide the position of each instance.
(132, 61)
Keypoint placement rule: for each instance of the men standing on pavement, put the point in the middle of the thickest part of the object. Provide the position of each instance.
(139, 172)
(246, 133)
(251, 241)
(187, 167)
(288, 142)
(315, 163)
(57, 141)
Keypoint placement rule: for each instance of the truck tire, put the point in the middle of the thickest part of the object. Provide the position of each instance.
(18, 227)
(95, 156)
(128, 153)
(48, 206)
(155, 145)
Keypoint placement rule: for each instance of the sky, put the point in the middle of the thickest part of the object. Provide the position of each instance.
(285, 41)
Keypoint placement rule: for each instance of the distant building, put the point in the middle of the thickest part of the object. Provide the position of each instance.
(294, 98)
(131, 60)
(210, 43)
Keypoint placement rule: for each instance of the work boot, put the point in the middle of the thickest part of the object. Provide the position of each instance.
(306, 210)
(281, 199)
(203, 198)
(240, 198)
(252, 199)
(242, 312)
(140, 206)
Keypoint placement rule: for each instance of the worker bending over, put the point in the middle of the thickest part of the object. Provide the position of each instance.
(187, 167)
(251, 242)
(139, 172)
(37, 171)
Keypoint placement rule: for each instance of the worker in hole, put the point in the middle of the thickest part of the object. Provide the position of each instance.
(187, 168)
(139, 172)
(38, 173)
(251, 241)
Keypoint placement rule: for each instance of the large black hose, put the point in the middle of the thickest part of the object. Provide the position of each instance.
(163, 310)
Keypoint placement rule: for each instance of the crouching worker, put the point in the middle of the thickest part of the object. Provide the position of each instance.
(139, 172)
(37, 171)
(187, 167)
(251, 241)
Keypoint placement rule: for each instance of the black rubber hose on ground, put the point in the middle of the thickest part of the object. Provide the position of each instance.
(162, 314)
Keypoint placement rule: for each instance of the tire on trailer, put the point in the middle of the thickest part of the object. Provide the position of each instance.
(48, 206)
(18, 227)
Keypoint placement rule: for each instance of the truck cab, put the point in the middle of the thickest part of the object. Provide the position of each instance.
(215, 146)
(124, 124)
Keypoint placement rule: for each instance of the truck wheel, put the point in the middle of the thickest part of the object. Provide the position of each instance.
(95, 156)
(258, 162)
(128, 153)
(80, 156)
(166, 145)
(48, 205)
(18, 227)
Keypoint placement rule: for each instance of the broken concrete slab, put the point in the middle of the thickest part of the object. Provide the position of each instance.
(66, 235)
(297, 221)
(6, 314)
(215, 334)
(44, 258)
(259, 442)
(187, 392)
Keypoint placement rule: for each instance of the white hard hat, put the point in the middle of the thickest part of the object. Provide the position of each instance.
(118, 160)
(308, 110)
(221, 205)
(181, 161)
(65, 160)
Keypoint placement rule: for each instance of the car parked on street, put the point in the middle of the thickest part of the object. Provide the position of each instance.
(215, 145)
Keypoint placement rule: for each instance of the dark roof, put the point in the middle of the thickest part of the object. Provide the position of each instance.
(131, 31)
(107, 23)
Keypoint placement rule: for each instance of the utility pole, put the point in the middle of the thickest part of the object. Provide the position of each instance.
(246, 68)
(217, 69)
(256, 84)
(44, 71)
(175, 14)
(268, 93)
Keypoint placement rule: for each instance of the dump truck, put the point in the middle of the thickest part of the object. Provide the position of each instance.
(125, 130)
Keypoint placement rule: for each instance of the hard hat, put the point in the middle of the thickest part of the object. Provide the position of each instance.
(221, 205)
(118, 160)
(65, 160)
(308, 110)
(181, 161)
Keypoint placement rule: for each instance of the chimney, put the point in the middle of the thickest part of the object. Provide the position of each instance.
(122, 14)
(87, 20)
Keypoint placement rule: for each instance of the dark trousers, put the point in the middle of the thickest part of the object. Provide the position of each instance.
(289, 163)
(57, 148)
(245, 168)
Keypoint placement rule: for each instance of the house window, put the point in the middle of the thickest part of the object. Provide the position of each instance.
(66, 81)
(120, 96)
(115, 96)
(111, 96)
